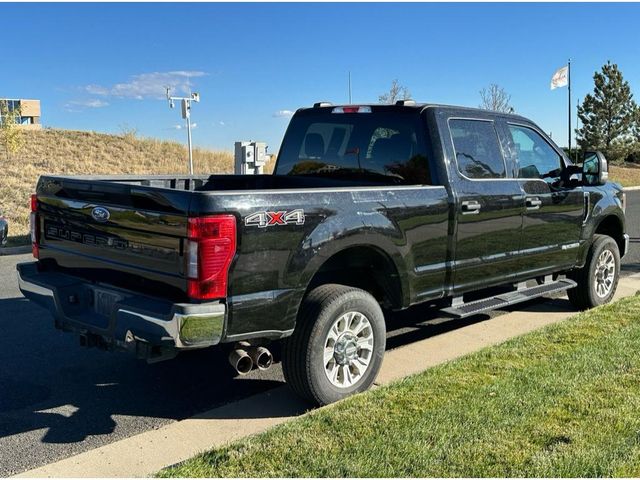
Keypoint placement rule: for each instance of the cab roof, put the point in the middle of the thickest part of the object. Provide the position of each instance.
(404, 106)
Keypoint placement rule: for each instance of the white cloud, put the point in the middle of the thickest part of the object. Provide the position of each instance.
(221, 123)
(78, 105)
(96, 103)
(283, 113)
(194, 125)
(148, 85)
(96, 90)
(177, 127)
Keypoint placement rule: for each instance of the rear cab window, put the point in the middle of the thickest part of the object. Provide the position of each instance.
(381, 145)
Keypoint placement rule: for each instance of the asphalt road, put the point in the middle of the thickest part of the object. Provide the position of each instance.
(57, 399)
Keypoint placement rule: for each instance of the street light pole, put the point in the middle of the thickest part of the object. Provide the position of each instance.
(186, 114)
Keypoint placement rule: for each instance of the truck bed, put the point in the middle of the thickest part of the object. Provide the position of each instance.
(223, 182)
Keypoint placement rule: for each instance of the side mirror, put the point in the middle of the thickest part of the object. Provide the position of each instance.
(594, 169)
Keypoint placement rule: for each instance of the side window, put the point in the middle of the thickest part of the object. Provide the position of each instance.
(536, 157)
(477, 149)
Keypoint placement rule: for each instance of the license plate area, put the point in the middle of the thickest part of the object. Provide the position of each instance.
(104, 300)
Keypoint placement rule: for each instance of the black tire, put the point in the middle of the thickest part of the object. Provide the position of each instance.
(302, 353)
(585, 296)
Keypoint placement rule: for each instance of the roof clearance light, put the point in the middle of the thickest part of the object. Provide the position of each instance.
(351, 109)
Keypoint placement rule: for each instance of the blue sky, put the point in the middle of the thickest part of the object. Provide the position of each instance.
(102, 66)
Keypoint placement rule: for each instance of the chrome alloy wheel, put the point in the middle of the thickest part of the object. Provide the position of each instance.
(605, 273)
(348, 349)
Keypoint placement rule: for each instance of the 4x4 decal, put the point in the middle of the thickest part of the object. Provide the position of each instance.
(268, 219)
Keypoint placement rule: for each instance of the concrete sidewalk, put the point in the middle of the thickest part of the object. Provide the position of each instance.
(143, 455)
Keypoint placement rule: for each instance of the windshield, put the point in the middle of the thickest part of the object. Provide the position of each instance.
(387, 146)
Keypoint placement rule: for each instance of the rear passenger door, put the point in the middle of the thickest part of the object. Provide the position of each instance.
(553, 210)
(489, 206)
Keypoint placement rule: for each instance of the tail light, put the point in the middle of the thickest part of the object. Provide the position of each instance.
(33, 227)
(211, 246)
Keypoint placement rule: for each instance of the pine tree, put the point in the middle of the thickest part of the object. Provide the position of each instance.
(607, 115)
(636, 127)
(634, 150)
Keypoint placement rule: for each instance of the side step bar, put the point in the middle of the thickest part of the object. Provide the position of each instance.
(461, 310)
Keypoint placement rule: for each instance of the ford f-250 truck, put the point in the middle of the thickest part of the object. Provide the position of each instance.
(370, 209)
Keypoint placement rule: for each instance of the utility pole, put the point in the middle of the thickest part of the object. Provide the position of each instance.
(185, 103)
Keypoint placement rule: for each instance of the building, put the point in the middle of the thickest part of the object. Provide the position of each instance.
(29, 117)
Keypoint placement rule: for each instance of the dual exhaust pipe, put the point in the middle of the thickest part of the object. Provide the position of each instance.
(245, 358)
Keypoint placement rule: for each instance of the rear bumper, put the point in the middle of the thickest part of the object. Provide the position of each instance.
(115, 318)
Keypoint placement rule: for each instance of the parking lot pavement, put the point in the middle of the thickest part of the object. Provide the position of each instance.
(58, 399)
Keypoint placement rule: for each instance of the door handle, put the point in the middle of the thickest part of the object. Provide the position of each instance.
(470, 207)
(533, 203)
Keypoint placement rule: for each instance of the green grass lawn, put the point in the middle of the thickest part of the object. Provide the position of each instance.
(562, 401)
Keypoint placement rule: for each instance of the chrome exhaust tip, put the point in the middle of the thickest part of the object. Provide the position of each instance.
(241, 361)
(261, 357)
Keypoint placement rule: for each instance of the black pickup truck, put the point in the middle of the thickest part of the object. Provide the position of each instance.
(371, 209)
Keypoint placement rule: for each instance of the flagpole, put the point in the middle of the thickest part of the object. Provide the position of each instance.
(569, 92)
(577, 125)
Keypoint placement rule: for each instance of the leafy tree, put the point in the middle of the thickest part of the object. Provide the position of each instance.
(607, 114)
(11, 137)
(395, 93)
(494, 97)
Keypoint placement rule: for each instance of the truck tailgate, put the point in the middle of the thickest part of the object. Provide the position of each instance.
(111, 232)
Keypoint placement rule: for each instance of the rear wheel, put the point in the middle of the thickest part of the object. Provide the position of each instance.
(598, 279)
(337, 347)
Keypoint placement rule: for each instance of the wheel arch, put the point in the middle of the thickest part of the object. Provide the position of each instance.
(613, 227)
(363, 266)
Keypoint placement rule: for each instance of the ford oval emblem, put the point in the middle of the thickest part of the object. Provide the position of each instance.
(100, 214)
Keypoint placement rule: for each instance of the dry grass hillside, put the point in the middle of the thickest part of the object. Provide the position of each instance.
(628, 175)
(86, 153)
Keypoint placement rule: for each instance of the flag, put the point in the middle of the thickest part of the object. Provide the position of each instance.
(560, 78)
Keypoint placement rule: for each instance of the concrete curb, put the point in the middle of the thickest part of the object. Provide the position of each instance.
(630, 189)
(145, 454)
(15, 250)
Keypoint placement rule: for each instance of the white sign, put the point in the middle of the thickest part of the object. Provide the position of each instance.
(560, 78)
